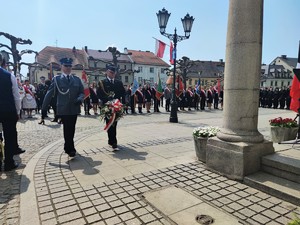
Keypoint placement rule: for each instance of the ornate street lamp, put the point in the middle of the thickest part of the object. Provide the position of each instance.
(187, 21)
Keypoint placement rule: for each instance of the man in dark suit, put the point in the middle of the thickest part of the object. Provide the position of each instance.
(69, 91)
(106, 87)
(10, 106)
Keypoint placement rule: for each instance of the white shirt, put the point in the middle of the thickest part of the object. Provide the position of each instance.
(111, 80)
(16, 93)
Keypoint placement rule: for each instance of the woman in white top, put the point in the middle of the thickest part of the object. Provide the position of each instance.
(29, 102)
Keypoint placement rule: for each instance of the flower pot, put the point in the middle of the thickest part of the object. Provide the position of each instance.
(200, 147)
(280, 134)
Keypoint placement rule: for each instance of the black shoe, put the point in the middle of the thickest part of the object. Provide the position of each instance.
(19, 151)
(54, 120)
(10, 166)
(115, 147)
(72, 154)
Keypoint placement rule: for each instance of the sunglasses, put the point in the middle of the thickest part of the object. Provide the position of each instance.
(67, 66)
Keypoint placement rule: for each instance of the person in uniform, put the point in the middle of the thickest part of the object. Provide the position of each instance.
(140, 98)
(41, 92)
(10, 105)
(167, 94)
(93, 97)
(202, 98)
(69, 91)
(110, 89)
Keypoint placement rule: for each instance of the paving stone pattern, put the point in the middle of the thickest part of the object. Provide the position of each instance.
(62, 200)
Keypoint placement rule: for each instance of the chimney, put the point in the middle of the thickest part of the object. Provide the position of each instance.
(221, 60)
(125, 50)
(283, 56)
(74, 50)
(86, 49)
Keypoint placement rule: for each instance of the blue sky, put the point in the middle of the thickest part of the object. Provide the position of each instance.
(132, 24)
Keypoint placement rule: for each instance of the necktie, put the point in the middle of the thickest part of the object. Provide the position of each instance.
(68, 77)
(112, 81)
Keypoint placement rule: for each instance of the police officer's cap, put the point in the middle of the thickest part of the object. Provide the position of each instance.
(66, 61)
(111, 67)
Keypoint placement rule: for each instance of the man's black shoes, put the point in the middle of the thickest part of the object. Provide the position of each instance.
(10, 167)
(72, 154)
(19, 151)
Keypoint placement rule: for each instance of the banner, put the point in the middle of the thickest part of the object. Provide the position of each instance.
(159, 48)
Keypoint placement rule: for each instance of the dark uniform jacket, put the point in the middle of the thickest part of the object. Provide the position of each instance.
(69, 94)
(108, 91)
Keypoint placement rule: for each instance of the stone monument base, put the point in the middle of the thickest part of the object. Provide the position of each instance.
(236, 160)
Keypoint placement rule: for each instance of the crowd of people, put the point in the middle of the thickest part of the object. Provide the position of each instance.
(64, 94)
(144, 99)
(275, 98)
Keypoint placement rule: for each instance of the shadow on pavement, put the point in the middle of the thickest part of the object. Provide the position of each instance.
(129, 153)
(80, 162)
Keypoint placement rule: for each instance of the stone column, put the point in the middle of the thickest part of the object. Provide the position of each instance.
(238, 147)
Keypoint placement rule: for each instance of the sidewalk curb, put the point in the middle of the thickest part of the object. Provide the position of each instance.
(28, 203)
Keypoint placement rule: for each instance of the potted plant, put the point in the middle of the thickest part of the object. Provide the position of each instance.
(283, 129)
(201, 135)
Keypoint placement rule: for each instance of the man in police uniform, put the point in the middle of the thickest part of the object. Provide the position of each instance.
(70, 95)
(10, 105)
(106, 86)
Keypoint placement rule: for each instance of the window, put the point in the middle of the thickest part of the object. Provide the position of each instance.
(140, 80)
(282, 83)
(151, 80)
(151, 69)
(162, 70)
(140, 69)
(126, 79)
(124, 67)
(271, 83)
(190, 82)
(275, 84)
(289, 83)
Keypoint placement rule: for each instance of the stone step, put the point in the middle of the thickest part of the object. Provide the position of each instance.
(284, 164)
(276, 186)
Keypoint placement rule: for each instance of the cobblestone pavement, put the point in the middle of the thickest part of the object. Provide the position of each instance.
(102, 187)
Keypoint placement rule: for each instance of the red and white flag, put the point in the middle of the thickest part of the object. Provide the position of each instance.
(85, 84)
(159, 48)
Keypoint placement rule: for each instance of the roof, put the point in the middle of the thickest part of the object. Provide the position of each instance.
(210, 69)
(292, 62)
(147, 58)
(271, 71)
(54, 54)
(106, 56)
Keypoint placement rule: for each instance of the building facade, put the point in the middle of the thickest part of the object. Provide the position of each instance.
(279, 73)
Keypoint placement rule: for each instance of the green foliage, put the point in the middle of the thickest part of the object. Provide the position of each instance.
(209, 131)
(295, 221)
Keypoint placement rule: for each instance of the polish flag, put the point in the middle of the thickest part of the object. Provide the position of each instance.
(295, 89)
(160, 48)
(85, 84)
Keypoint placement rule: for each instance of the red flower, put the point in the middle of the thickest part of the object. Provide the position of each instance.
(279, 122)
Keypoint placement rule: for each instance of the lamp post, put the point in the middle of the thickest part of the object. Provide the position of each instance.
(187, 22)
